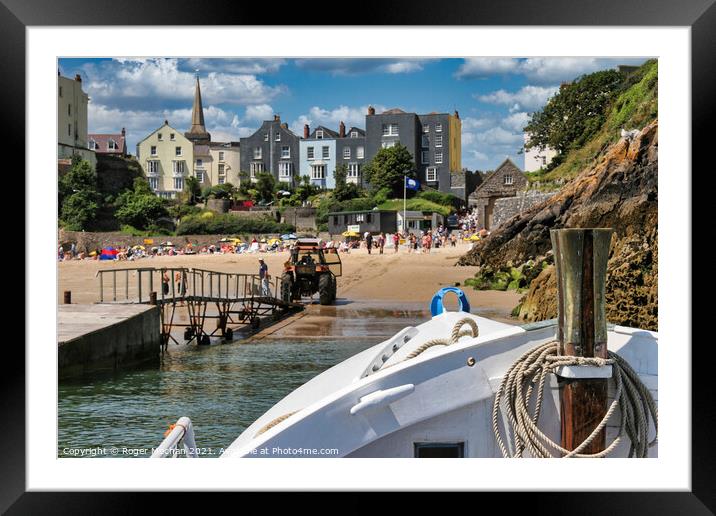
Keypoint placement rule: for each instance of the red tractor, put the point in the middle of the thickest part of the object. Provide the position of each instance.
(311, 269)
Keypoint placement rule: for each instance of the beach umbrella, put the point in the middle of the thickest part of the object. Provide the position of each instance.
(274, 240)
(263, 240)
(474, 238)
(288, 236)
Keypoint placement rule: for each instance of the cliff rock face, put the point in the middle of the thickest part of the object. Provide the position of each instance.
(620, 192)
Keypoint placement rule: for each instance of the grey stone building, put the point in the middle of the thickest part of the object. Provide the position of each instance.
(351, 152)
(506, 181)
(373, 221)
(272, 148)
(433, 139)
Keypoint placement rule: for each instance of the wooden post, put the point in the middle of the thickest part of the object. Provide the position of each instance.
(152, 298)
(581, 266)
(68, 297)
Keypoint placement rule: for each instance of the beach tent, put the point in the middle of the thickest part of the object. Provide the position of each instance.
(108, 253)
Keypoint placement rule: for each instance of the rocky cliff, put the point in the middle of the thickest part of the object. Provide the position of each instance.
(618, 191)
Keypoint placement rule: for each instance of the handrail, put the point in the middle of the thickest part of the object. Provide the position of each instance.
(181, 432)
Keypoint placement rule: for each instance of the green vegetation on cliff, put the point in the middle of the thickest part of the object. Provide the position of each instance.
(633, 106)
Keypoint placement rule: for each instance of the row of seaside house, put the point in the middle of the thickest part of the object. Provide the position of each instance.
(168, 155)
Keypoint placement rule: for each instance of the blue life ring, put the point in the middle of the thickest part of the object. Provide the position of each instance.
(436, 305)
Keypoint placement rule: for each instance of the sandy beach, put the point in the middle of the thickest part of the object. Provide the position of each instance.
(385, 279)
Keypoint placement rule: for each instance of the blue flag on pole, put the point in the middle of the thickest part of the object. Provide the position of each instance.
(412, 184)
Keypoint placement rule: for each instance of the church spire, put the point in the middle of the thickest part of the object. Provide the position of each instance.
(197, 133)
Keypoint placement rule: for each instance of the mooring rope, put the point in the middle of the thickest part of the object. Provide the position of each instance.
(523, 386)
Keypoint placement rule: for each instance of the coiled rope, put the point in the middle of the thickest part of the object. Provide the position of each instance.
(523, 386)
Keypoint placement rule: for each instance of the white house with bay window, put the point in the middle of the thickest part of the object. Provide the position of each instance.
(317, 161)
(167, 158)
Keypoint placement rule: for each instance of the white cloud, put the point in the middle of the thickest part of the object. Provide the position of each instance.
(353, 66)
(528, 97)
(259, 112)
(516, 121)
(236, 65)
(541, 70)
(478, 67)
(350, 116)
(163, 79)
(470, 123)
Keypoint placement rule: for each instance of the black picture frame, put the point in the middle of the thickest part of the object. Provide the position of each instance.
(700, 15)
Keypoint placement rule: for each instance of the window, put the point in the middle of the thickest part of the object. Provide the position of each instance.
(309, 152)
(222, 169)
(369, 218)
(360, 153)
(318, 171)
(425, 157)
(159, 136)
(69, 129)
(353, 170)
(335, 220)
(278, 136)
(153, 150)
(257, 152)
(354, 134)
(544, 160)
(346, 153)
(438, 128)
(93, 145)
(285, 151)
(266, 136)
(360, 217)
(69, 109)
(387, 145)
(200, 176)
(431, 174)
(199, 162)
(153, 167)
(507, 179)
(222, 180)
(112, 145)
(319, 134)
(426, 128)
(221, 156)
(153, 182)
(172, 136)
(256, 168)
(284, 170)
(178, 167)
(439, 140)
(177, 151)
(60, 91)
(426, 141)
(439, 450)
(390, 129)
(178, 183)
(438, 158)
(326, 152)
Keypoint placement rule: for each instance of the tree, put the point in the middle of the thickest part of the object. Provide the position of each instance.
(265, 186)
(344, 191)
(387, 168)
(140, 208)
(78, 198)
(192, 187)
(575, 113)
(244, 183)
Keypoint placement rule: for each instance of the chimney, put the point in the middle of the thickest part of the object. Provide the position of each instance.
(371, 110)
(166, 122)
(285, 125)
(78, 78)
(306, 131)
(342, 130)
(123, 131)
(457, 115)
(277, 118)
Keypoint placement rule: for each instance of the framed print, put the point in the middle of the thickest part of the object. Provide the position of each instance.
(414, 236)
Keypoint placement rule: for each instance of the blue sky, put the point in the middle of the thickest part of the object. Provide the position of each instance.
(494, 96)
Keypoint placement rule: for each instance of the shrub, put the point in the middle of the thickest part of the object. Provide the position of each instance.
(229, 224)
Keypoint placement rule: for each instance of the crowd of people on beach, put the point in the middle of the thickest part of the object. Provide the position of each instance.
(414, 242)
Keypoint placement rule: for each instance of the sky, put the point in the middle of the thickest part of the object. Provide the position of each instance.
(493, 95)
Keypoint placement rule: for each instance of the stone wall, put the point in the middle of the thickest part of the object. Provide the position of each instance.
(304, 219)
(508, 207)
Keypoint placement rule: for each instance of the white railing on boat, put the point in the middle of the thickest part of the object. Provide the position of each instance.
(182, 432)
